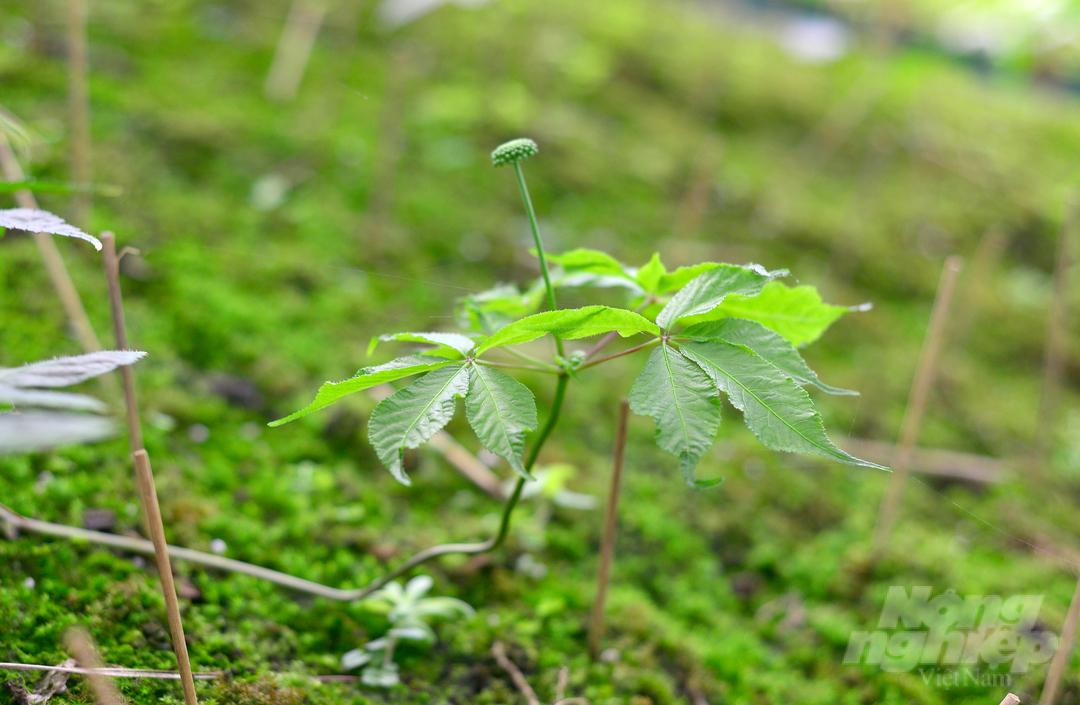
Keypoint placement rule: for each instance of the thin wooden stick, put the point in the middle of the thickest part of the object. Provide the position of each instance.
(1064, 650)
(111, 672)
(607, 543)
(499, 651)
(145, 476)
(1056, 337)
(560, 687)
(1010, 699)
(79, 107)
(50, 254)
(294, 49)
(81, 646)
(920, 391)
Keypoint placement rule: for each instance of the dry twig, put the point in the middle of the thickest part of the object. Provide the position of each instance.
(499, 652)
(607, 543)
(82, 648)
(145, 476)
(920, 391)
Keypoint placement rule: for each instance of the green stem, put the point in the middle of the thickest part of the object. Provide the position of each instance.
(539, 247)
(511, 366)
(508, 509)
(529, 358)
(621, 353)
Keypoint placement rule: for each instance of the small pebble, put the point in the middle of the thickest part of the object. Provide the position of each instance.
(218, 546)
(29, 583)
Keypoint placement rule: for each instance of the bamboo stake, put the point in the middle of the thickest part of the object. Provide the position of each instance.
(81, 646)
(79, 107)
(294, 49)
(145, 476)
(1010, 699)
(607, 544)
(920, 391)
(54, 263)
(1056, 337)
(1064, 651)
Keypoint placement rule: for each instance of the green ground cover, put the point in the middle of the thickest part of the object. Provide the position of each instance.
(659, 131)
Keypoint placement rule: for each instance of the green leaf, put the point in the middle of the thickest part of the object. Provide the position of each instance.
(706, 291)
(488, 311)
(583, 267)
(797, 313)
(330, 392)
(452, 341)
(500, 410)
(571, 324)
(673, 281)
(777, 411)
(649, 275)
(684, 402)
(412, 415)
(767, 343)
(592, 261)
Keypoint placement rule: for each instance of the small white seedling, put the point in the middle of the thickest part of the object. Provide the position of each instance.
(408, 611)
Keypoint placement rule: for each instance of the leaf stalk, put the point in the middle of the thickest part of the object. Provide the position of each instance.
(539, 247)
(621, 353)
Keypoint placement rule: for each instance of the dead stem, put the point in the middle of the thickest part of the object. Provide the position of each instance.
(920, 391)
(81, 646)
(607, 544)
(145, 476)
(499, 652)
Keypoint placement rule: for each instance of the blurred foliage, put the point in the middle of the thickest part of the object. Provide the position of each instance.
(276, 239)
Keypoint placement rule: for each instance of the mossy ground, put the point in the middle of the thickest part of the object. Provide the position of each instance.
(658, 131)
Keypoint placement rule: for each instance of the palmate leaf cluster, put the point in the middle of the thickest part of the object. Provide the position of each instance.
(712, 328)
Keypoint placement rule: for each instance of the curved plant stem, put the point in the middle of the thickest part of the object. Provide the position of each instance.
(211, 560)
(539, 247)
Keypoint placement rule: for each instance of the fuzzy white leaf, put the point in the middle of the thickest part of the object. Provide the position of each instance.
(354, 659)
(51, 400)
(35, 221)
(33, 431)
(66, 371)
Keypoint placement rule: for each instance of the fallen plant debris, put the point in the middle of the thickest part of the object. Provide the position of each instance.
(54, 681)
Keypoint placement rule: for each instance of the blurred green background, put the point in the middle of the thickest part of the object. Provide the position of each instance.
(856, 144)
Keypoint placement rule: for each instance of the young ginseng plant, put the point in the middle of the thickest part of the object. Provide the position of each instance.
(709, 328)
